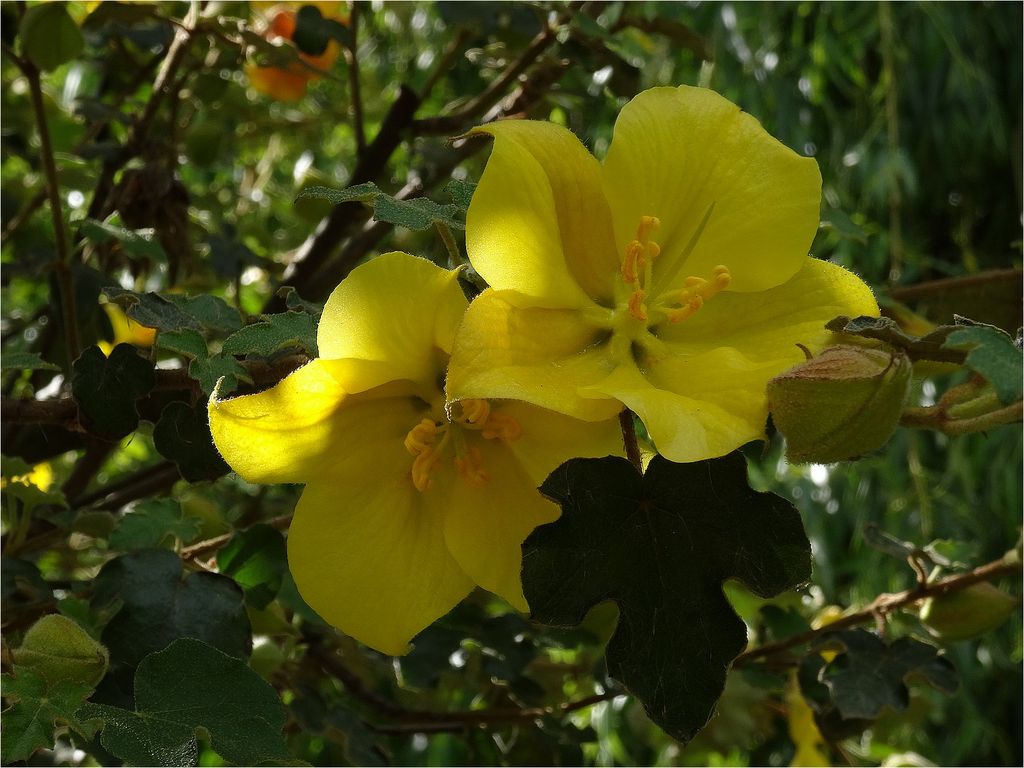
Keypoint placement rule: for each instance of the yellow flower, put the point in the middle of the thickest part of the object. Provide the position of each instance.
(125, 330)
(674, 278)
(406, 506)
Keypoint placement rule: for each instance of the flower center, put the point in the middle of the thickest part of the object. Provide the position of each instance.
(433, 441)
(673, 305)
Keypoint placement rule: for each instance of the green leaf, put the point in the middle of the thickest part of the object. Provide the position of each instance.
(183, 435)
(49, 36)
(362, 193)
(25, 361)
(175, 312)
(293, 301)
(21, 585)
(256, 559)
(992, 354)
(142, 243)
(38, 707)
(461, 192)
(869, 675)
(56, 648)
(313, 32)
(418, 213)
(187, 687)
(209, 370)
(154, 523)
(274, 333)
(660, 545)
(186, 341)
(106, 389)
(927, 347)
(158, 607)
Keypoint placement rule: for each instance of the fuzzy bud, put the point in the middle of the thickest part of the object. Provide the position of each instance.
(973, 611)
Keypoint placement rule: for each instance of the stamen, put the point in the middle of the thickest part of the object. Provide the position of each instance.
(422, 466)
(474, 413)
(647, 225)
(634, 254)
(697, 291)
(503, 427)
(421, 437)
(637, 308)
(470, 467)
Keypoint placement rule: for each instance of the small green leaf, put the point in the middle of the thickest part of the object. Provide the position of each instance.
(190, 686)
(49, 36)
(869, 675)
(25, 361)
(106, 389)
(158, 607)
(661, 545)
(209, 370)
(187, 342)
(287, 330)
(418, 213)
(992, 355)
(175, 312)
(183, 435)
(295, 302)
(362, 193)
(38, 707)
(56, 648)
(461, 192)
(142, 243)
(927, 347)
(152, 524)
(256, 559)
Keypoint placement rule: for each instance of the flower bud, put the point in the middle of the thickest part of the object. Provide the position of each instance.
(842, 404)
(58, 649)
(968, 613)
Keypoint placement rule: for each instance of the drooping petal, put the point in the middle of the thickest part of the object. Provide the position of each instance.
(703, 394)
(397, 309)
(485, 524)
(539, 224)
(537, 355)
(687, 154)
(296, 430)
(368, 552)
(550, 439)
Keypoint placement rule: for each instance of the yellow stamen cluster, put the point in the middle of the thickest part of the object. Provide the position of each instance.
(477, 415)
(636, 266)
(698, 290)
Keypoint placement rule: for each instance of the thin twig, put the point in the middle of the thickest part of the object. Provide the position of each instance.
(629, 439)
(884, 604)
(935, 417)
(209, 546)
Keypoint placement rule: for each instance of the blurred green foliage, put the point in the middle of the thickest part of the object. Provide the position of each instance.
(914, 113)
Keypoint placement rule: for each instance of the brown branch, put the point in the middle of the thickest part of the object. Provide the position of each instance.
(884, 604)
(209, 546)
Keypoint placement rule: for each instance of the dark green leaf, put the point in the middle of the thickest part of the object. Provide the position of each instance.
(190, 686)
(154, 523)
(158, 607)
(362, 193)
(418, 213)
(869, 675)
(660, 545)
(183, 435)
(175, 312)
(287, 330)
(993, 355)
(106, 389)
(38, 707)
(928, 347)
(313, 32)
(461, 192)
(186, 341)
(256, 559)
(209, 370)
(293, 301)
(49, 36)
(25, 361)
(141, 244)
(21, 585)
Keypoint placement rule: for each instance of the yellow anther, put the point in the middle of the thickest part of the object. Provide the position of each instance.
(653, 250)
(647, 225)
(422, 466)
(685, 311)
(634, 254)
(696, 293)
(421, 437)
(474, 413)
(503, 427)
(637, 308)
(470, 467)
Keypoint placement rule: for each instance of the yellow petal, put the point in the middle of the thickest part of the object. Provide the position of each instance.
(703, 394)
(683, 154)
(550, 439)
(485, 524)
(368, 552)
(538, 223)
(303, 426)
(397, 309)
(537, 355)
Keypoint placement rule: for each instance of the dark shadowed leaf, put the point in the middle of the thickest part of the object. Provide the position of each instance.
(191, 686)
(660, 545)
(287, 330)
(154, 523)
(106, 389)
(49, 36)
(183, 435)
(159, 606)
